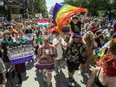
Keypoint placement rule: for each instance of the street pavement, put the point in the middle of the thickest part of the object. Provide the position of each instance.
(34, 78)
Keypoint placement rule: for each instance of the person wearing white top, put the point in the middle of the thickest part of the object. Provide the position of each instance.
(59, 43)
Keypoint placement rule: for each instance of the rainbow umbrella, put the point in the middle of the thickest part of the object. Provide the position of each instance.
(63, 12)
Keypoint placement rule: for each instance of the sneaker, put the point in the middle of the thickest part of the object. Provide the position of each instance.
(71, 84)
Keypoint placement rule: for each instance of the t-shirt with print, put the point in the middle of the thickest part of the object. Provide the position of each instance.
(75, 52)
(76, 28)
(40, 40)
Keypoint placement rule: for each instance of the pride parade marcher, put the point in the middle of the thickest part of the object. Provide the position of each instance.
(3, 79)
(90, 46)
(59, 43)
(46, 60)
(38, 41)
(75, 56)
(20, 68)
(5, 42)
(76, 23)
(105, 74)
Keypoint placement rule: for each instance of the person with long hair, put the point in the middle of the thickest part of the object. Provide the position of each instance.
(105, 74)
(90, 46)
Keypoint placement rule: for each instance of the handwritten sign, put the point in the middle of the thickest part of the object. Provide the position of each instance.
(20, 53)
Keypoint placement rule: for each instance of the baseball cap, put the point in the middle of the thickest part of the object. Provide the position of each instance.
(75, 17)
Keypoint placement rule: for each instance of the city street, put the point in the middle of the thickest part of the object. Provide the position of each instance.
(34, 34)
(34, 78)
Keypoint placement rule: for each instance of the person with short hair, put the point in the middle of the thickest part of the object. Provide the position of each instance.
(76, 23)
(75, 56)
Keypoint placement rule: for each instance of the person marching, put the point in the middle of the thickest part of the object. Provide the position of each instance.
(5, 42)
(3, 79)
(20, 68)
(59, 43)
(46, 60)
(75, 56)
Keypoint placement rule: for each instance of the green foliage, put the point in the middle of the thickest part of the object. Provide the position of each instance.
(94, 5)
(40, 7)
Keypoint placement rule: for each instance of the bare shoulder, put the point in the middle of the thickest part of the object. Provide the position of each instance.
(95, 70)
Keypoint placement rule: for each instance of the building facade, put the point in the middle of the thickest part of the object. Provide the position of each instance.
(15, 8)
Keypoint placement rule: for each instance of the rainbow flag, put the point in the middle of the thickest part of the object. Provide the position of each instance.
(42, 22)
(62, 14)
(100, 53)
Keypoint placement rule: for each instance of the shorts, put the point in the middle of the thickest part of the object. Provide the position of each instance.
(1, 78)
(72, 66)
(82, 60)
(60, 62)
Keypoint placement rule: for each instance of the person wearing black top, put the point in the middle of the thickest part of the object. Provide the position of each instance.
(76, 23)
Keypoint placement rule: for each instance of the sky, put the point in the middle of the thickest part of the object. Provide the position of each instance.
(51, 3)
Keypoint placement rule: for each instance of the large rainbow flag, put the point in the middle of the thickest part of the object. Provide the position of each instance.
(62, 14)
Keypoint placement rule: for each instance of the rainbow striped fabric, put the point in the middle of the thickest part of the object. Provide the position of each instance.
(62, 14)
(42, 22)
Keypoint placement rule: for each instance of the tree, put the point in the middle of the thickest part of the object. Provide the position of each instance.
(40, 7)
(93, 5)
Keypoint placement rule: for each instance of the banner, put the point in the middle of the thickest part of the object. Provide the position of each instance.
(20, 53)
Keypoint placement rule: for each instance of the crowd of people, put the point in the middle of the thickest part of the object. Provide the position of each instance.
(76, 44)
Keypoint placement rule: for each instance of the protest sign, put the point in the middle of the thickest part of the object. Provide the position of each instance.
(20, 53)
